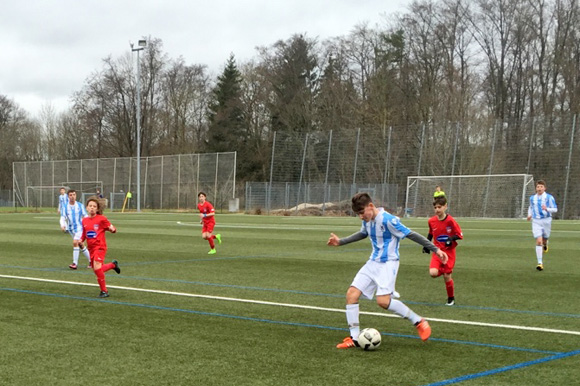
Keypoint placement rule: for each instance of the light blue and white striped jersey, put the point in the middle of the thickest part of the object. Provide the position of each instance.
(62, 202)
(74, 214)
(536, 202)
(385, 232)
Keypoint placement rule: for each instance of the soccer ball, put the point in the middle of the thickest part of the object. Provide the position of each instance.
(369, 339)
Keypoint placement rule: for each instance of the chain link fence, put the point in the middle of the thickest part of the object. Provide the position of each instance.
(167, 182)
(325, 168)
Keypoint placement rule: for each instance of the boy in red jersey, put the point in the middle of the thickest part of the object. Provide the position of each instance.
(445, 231)
(94, 228)
(207, 220)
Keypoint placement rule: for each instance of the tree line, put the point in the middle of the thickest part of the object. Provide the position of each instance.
(461, 64)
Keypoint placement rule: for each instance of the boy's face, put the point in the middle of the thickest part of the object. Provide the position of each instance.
(540, 188)
(201, 198)
(440, 210)
(72, 197)
(92, 208)
(61, 191)
(368, 213)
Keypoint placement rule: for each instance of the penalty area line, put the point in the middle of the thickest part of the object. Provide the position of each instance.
(291, 305)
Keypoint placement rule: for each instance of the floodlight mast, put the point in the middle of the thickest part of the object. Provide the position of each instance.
(141, 46)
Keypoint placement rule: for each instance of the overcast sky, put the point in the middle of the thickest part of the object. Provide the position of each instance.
(49, 47)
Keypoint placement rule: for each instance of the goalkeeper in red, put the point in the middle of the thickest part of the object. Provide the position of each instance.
(444, 231)
(94, 228)
(207, 220)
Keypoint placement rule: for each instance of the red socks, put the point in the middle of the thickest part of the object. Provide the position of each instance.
(101, 279)
(450, 288)
(211, 243)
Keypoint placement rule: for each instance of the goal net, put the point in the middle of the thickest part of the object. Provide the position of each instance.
(493, 196)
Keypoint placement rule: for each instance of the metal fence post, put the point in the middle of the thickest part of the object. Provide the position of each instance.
(568, 167)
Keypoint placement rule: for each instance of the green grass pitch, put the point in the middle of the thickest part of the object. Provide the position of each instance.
(268, 308)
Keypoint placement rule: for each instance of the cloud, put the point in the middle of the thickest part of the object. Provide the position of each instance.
(49, 48)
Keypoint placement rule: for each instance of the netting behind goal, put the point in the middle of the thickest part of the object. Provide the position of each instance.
(493, 196)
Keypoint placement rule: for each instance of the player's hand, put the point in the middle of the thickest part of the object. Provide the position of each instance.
(63, 229)
(426, 250)
(333, 240)
(201, 215)
(529, 218)
(442, 256)
(113, 229)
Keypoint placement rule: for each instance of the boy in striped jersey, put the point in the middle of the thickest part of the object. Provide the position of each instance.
(379, 274)
(71, 217)
(62, 199)
(542, 206)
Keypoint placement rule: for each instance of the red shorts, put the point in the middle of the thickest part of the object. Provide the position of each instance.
(98, 255)
(207, 226)
(443, 268)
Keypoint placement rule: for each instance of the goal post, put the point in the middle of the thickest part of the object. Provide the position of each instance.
(492, 196)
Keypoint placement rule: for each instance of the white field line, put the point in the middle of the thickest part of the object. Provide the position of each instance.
(300, 306)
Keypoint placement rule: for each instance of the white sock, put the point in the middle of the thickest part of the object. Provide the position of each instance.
(76, 255)
(539, 252)
(85, 252)
(399, 308)
(352, 312)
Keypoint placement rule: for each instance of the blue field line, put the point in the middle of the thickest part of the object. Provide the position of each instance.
(486, 373)
(261, 320)
(458, 306)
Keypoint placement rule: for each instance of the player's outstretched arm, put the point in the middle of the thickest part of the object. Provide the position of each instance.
(335, 241)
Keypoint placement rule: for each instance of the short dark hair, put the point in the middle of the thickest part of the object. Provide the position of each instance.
(441, 200)
(360, 201)
(540, 182)
(200, 193)
(71, 191)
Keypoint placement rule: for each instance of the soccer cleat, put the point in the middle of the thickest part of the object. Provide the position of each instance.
(423, 329)
(116, 268)
(546, 248)
(450, 301)
(104, 294)
(73, 266)
(218, 238)
(212, 252)
(540, 267)
(347, 342)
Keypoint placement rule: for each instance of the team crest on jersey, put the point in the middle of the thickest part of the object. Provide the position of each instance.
(96, 227)
(91, 234)
(449, 229)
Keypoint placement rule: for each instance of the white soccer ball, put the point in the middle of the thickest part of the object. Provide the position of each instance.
(369, 339)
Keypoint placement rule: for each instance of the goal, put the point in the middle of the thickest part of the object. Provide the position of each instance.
(492, 196)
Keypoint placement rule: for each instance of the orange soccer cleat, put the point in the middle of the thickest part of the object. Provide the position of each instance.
(347, 343)
(423, 329)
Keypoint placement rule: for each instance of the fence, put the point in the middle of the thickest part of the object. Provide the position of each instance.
(309, 167)
(167, 182)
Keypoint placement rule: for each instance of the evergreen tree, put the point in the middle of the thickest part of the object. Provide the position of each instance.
(226, 123)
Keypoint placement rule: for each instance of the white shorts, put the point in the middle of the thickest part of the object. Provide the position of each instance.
(541, 227)
(76, 235)
(377, 278)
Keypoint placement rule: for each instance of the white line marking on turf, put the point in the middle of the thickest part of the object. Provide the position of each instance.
(290, 305)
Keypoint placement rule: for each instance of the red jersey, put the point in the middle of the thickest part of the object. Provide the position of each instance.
(443, 230)
(206, 208)
(94, 232)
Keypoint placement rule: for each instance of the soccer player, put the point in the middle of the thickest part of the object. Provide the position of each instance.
(438, 192)
(71, 216)
(94, 228)
(542, 207)
(445, 231)
(62, 199)
(207, 220)
(379, 274)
